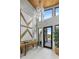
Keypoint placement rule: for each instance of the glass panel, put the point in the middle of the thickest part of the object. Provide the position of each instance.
(57, 36)
(47, 14)
(40, 37)
(57, 11)
(39, 18)
(48, 39)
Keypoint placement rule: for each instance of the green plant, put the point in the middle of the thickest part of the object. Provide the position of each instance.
(56, 38)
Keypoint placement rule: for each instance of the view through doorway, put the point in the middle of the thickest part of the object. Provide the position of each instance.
(47, 37)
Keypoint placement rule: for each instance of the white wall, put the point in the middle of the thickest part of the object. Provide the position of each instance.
(49, 22)
(27, 7)
(28, 13)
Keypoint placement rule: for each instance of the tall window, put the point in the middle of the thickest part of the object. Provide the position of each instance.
(57, 11)
(47, 14)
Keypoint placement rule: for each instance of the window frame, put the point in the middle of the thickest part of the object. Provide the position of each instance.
(47, 10)
(55, 11)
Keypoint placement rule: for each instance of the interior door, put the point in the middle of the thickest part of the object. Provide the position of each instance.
(47, 37)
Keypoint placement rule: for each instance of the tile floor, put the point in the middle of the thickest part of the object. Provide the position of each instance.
(48, 43)
(40, 53)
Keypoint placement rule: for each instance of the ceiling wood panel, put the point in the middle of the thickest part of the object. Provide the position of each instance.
(45, 3)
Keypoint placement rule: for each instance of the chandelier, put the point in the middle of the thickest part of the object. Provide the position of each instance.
(39, 8)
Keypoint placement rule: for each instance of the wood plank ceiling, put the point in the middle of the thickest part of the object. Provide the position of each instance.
(44, 3)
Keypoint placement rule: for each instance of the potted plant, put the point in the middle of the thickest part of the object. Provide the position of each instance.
(56, 41)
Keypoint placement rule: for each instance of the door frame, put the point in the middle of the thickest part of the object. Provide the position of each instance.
(51, 37)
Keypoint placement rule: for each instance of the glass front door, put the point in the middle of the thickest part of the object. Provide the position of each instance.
(47, 37)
